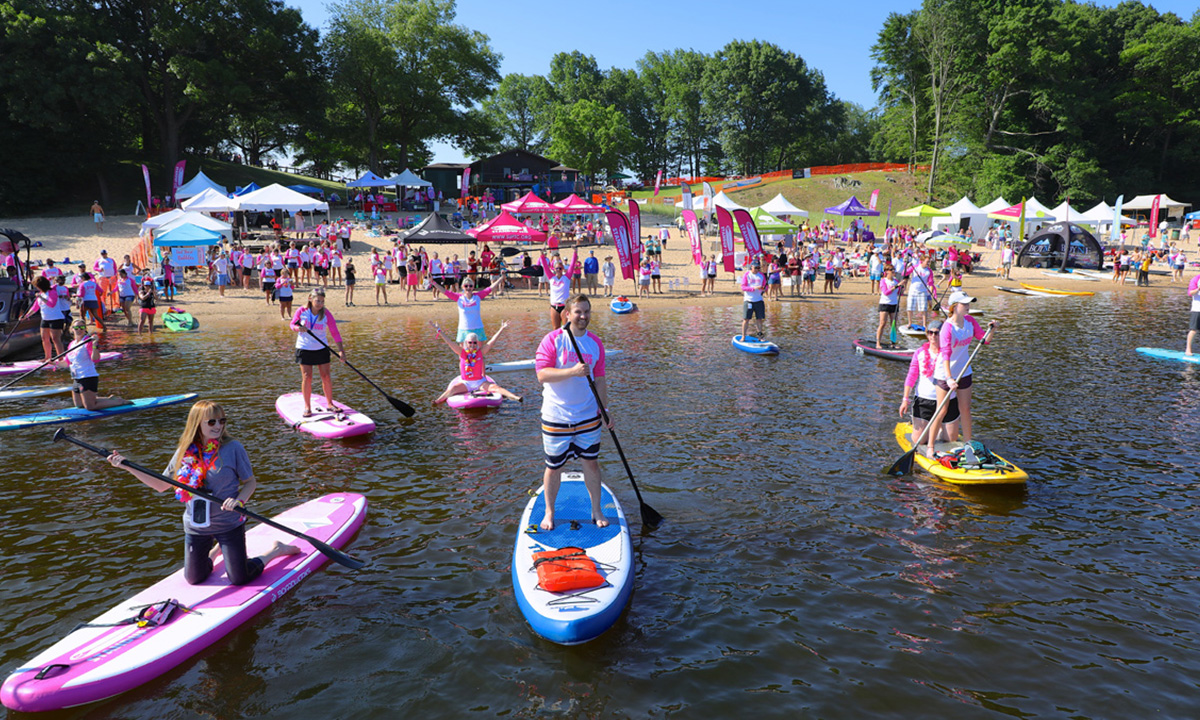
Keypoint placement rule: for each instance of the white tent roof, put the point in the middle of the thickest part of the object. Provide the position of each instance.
(278, 197)
(1102, 213)
(1144, 202)
(162, 219)
(1065, 211)
(779, 205)
(723, 200)
(408, 179)
(998, 204)
(962, 207)
(699, 202)
(1033, 207)
(369, 179)
(192, 217)
(208, 200)
(196, 185)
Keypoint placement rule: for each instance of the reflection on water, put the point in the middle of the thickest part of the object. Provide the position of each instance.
(791, 576)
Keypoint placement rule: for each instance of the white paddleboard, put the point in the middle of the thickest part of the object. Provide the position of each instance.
(528, 364)
(323, 423)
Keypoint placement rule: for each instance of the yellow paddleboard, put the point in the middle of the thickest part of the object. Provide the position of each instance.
(1038, 288)
(1005, 473)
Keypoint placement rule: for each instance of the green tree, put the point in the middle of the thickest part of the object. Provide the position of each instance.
(898, 78)
(406, 73)
(591, 137)
(520, 110)
(574, 77)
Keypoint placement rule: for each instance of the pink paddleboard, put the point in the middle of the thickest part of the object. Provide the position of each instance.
(94, 663)
(26, 365)
(470, 401)
(323, 424)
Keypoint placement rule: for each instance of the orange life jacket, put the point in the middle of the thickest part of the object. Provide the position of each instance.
(565, 569)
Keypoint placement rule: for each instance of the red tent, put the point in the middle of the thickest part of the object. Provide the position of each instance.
(505, 228)
(575, 205)
(529, 204)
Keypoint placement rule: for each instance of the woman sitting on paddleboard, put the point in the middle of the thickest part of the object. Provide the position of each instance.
(311, 353)
(920, 376)
(469, 319)
(82, 354)
(471, 378)
(954, 340)
(207, 457)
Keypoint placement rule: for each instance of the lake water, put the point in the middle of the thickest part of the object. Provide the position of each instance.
(792, 578)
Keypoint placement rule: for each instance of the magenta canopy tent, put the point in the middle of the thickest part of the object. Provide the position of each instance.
(530, 204)
(573, 204)
(505, 228)
(851, 208)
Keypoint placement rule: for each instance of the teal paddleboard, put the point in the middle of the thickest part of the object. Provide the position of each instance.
(1164, 354)
(180, 322)
(73, 414)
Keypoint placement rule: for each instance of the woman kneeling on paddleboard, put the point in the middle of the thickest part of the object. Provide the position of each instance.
(207, 457)
(920, 376)
(312, 351)
(82, 354)
(954, 341)
(470, 366)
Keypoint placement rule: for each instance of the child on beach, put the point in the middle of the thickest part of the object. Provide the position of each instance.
(350, 283)
(148, 301)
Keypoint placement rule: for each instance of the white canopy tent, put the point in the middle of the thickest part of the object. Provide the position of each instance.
(197, 185)
(721, 200)
(208, 201)
(369, 179)
(408, 179)
(780, 207)
(1101, 216)
(1145, 202)
(192, 217)
(278, 197)
(964, 209)
(1065, 212)
(159, 220)
(998, 204)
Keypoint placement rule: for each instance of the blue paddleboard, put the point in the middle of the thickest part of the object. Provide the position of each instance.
(622, 306)
(72, 414)
(1165, 354)
(754, 346)
(574, 616)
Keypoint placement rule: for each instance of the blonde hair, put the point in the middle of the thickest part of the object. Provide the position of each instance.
(201, 412)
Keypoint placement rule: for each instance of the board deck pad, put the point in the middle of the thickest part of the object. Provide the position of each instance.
(322, 424)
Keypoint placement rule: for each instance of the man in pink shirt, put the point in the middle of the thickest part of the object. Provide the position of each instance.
(571, 418)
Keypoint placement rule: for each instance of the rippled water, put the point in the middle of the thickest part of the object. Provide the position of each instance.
(791, 579)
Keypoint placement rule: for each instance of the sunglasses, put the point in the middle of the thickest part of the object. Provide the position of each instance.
(216, 421)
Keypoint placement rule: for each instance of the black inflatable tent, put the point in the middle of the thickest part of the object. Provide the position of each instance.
(1049, 249)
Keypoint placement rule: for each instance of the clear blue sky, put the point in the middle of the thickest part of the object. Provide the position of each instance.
(832, 37)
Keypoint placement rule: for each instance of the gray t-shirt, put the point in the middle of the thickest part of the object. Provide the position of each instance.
(225, 479)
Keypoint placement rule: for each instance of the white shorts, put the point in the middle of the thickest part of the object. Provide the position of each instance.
(918, 301)
(474, 385)
(608, 281)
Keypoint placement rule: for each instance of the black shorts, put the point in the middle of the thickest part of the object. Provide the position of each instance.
(963, 383)
(91, 304)
(307, 266)
(403, 271)
(62, 323)
(322, 271)
(90, 384)
(889, 309)
(312, 357)
(283, 299)
(268, 285)
(755, 309)
(558, 308)
(830, 276)
(1193, 321)
(924, 409)
(655, 277)
(350, 282)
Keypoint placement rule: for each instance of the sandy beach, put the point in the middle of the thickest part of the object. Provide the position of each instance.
(77, 239)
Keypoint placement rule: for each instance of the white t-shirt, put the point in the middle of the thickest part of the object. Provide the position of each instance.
(570, 400)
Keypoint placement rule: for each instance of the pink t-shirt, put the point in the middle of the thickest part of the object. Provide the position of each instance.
(570, 400)
(470, 365)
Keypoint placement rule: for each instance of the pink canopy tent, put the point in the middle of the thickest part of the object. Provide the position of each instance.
(530, 204)
(575, 205)
(505, 228)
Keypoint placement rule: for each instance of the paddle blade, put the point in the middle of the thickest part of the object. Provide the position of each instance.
(404, 408)
(904, 465)
(650, 517)
(334, 554)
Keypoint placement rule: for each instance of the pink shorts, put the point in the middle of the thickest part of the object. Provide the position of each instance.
(149, 311)
(413, 279)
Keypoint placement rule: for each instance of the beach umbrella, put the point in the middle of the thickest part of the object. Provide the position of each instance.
(946, 241)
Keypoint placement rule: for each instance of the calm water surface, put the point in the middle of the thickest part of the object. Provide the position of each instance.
(791, 579)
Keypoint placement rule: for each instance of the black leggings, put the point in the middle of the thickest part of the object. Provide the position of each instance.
(197, 566)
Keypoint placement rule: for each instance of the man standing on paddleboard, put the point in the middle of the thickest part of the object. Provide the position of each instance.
(1193, 292)
(571, 424)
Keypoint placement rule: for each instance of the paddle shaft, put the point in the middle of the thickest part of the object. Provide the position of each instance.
(21, 377)
(333, 553)
(649, 515)
(925, 430)
(400, 405)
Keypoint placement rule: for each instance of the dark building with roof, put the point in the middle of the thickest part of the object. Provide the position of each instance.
(508, 176)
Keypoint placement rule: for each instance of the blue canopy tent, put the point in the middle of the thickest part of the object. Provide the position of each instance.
(187, 235)
(247, 189)
(307, 189)
(369, 179)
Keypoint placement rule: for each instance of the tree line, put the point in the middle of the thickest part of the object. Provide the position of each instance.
(995, 97)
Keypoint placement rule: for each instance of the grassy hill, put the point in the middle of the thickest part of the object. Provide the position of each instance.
(815, 194)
